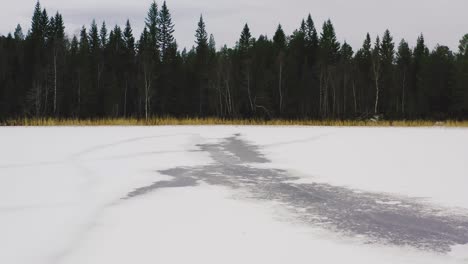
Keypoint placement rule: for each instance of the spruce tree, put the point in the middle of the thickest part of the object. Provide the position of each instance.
(130, 92)
(421, 54)
(387, 48)
(376, 71)
(18, 35)
(311, 34)
(463, 47)
(201, 36)
(202, 50)
(129, 38)
(329, 45)
(388, 94)
(103, 35)
(36, 24)
(94, 39)
(245, 39)
(166, 30)
(212, 45)
(403, 60)
(152, 24)
(279, 39)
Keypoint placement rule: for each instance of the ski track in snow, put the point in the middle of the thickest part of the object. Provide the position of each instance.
(379, 218)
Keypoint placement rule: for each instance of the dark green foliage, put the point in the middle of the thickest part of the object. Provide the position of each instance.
(303, 75)
(165, 30)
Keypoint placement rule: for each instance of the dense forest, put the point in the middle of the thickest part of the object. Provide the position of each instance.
(306, 75)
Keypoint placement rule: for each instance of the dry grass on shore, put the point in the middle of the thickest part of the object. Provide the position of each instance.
(218, 121)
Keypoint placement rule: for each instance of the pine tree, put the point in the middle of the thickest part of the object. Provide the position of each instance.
(202, 50)
(84, 41)
(130, 93)
(212, 45)
(463, 47)
(311, 34)
(403, 60)
(166, 30)
(387, 48)
(376, 70)
(94, 40)
(244, 46)
(36, 25)
(329, 55)
(364, 85)
(44, 24)
(461, 104)
(103, 35)
(245, 39)
(329, 45)
(279, 39)
(389, 104)
(19, 36)
(129, 38)
(84, 93)
(421, 54)
(147, 64)
(57, 41)
(152, 24)
(201, 37)
(279, 44)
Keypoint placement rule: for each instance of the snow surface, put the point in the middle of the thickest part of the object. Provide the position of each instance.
(61, 193)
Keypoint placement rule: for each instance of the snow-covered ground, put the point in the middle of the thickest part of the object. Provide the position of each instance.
(63, 194)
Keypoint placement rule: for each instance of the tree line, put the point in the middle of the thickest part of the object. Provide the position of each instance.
(103, 73)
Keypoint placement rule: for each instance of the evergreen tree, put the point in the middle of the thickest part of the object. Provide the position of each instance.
(201, 37)
(463, 47)
(245, 39)
(129, 38)
(152, 24)
(279, 44)
(364, 86)
(103, 35)
(376, 71)
(404, 60)
(311, 35)
(166, 30)
(329, 55)
(461, 102)
(94, 39)
(329, 45)
(19, 36)
(212, 45)
(419, 100)
(85, 95)
(387, 48)
(279, 39)
(130, 100)
(202, 50)
(37, 30)
(389, 94)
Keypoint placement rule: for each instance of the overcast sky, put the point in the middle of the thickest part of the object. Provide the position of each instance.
(441, 21)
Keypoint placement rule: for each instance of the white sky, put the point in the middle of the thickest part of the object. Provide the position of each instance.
(441, 21)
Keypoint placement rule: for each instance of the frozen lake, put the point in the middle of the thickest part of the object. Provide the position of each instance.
(233, 195)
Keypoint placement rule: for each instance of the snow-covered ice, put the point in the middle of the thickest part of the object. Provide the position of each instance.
(64, 193)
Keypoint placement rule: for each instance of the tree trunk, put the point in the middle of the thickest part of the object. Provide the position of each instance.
(280, 88)
(147, 91)
(354, 95)
(125, 99)
(403, 94)
(252, 109)
(377, 91)
(55, 83)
